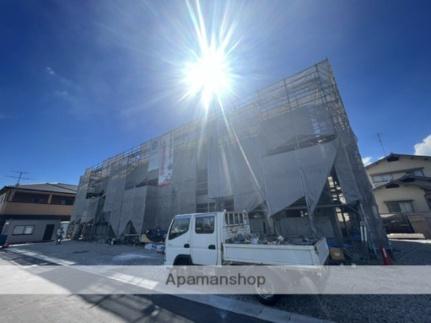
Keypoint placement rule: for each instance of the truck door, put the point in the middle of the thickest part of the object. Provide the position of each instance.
(204, 240)
(178, 239)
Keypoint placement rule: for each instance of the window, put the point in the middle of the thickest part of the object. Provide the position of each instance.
(204, 224)
(234, 218)
(62, 200)
(23, 230)
(416, 172)
(28, 229)
(22, 197)
(179, 227)
(381, 178)
(400, 206)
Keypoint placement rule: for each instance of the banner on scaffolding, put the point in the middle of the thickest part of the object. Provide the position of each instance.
(153, 160)
(166, 159)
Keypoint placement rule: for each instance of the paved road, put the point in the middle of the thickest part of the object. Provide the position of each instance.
(103, 308)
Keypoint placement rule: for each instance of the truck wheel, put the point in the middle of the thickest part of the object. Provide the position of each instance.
(266, 295)
(182, 261)
(268, 299)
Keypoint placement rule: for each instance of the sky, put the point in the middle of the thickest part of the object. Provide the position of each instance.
(81, 81)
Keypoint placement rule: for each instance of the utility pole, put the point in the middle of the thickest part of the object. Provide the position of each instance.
(379, 138)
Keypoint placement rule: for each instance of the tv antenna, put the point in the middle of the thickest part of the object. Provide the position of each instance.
(379, 138)
(19, 177)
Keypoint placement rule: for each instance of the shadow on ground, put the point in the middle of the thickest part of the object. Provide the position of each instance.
(411, 252)
(161, 308)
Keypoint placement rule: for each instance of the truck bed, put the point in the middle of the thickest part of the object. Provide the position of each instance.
(285, 254)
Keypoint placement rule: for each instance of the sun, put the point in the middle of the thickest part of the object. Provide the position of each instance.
(208, 73)
(208, 76)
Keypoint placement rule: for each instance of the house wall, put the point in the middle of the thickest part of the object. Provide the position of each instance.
(36, 209)
(38, 231)
(3, 201)
(420, 219)
(402, 193)
(8, 206)
(28, 212)
(404, 163)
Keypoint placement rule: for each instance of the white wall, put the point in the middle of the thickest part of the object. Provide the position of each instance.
(402, 193)
(400, 166)
(38, 231)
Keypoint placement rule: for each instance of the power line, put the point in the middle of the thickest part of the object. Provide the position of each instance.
(19, 177)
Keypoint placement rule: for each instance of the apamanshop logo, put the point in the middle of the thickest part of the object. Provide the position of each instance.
(215, 280)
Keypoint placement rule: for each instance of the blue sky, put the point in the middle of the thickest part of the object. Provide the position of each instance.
(83, 80)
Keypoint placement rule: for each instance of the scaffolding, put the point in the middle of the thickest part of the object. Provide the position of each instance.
(287, 155)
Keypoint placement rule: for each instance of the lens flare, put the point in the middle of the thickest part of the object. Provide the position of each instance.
(208, 74)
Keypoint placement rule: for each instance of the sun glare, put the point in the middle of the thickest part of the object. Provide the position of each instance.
(208, 74)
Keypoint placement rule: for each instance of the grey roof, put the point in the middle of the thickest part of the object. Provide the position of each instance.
(391, 155)
(48, 187)
(423, 182)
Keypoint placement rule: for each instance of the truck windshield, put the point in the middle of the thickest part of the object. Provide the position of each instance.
(179, 227)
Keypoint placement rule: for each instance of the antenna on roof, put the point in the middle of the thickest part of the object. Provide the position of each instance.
(379, 138)
(19, 177)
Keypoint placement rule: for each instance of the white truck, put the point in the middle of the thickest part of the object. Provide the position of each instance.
(207, 239)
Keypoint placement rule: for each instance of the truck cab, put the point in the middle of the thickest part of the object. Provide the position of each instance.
(194, 239)
(197, 238)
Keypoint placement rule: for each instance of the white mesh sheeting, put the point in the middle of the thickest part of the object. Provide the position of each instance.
(346, 177)
(133, 208)
(234, 170)
(299, 149)
(90, 211)
(80, 201)
(316, 164)
(184, 179)
(136, 175)
(219, 181)
(284, 144)
(114, 198)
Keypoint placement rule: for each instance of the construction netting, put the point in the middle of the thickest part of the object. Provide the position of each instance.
(268, 154)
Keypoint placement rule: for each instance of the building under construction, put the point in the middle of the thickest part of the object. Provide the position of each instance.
(288, 157)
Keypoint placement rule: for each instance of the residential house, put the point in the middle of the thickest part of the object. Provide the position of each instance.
(31, 213)
(402, 188)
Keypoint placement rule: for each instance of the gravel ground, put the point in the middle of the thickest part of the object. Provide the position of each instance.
(338, 308)
(369, 308)
(412, 252)
(360, 308)
(372, 308)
